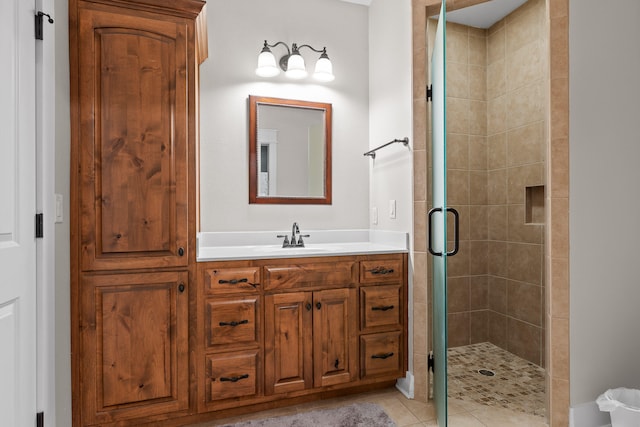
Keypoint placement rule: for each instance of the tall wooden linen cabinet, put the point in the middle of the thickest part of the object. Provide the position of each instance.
(134, 123)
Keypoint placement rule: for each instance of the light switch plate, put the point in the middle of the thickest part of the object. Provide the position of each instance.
(392, 209)
(59, 209)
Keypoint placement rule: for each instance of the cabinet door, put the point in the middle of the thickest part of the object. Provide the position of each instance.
(288, 332)
(134, 337)
(133, 139)
(335, 336)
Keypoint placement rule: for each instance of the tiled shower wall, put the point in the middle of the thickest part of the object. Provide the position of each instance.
(496, 142)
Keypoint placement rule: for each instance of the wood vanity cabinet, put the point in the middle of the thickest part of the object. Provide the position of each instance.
(134, 73)
(280, 329)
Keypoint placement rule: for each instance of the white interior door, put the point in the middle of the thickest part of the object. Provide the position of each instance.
(17, 210)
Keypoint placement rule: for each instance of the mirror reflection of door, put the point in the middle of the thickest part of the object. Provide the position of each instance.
(268, 162)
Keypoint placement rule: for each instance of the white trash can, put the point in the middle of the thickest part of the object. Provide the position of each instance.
(623, 404)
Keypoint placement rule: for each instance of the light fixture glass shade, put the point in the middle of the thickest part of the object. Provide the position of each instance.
(324, 69)
(295, 67)
(267, 66)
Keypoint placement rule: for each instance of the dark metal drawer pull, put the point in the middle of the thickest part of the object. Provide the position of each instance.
(233, 281)
(381, 270)
(382, 356)
(383, 308)
(234, 323)
(235, 379)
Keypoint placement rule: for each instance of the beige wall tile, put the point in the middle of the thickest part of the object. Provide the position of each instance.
(526, 144)
(420, 175)
(479, 292)
(496, 45)
(457, 80)
(457, 187)
(496, 115)
(520, 177)
(458, 329)
(559, 398)
(457, 44)
(524, 340)
(524, 302)
(477, 82)
(523, 25)
(497, 187)
(457, 151)
(478, 326)
(559, 168)
(478, 187)
(559, 126)
(559, 292)
(457, 115)
(498, 222)
(558, 8)
(477, 152)
(497, 151)
(525, 262)
(497, 294)
(478, 257)
(477, 48)
(498, 259)
(525, 65)
(525, 105)
(458, 266)
(559, 46)
(497, 329)
(478, 222)
(559, 347)
(464, 222)
(559, 227)
(458, 294)
(521, 232)
(420, 270)
(496, 79)
(477, 117)
(419, 126)
(420, 226)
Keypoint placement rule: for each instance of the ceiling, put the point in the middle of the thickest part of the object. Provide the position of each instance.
(482, 15)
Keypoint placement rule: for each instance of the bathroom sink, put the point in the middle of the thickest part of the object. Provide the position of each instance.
(214, 246)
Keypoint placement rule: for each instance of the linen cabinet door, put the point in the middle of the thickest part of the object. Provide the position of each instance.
(335, 336)
(135, 341)
(133, 139)
(288, 342)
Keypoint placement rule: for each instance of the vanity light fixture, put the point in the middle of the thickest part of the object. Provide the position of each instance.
(293, 63)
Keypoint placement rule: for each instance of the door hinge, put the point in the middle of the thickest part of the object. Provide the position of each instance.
(39, 226)
(430, 93)
(430, 362)
(39, 23)
(40, 419)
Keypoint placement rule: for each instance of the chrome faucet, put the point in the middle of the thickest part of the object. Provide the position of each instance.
(294, 230)
(295, 242)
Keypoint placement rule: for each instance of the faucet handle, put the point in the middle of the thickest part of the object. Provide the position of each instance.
(285, 243)
(300, 241)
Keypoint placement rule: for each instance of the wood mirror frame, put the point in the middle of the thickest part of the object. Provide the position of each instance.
(254, 103)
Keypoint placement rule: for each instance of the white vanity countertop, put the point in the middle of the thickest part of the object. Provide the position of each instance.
(224, 246)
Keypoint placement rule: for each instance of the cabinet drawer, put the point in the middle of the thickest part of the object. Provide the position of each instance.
(231, 280)
(233, 321)
(232, 375)
(380, 307)
(326, 274)
(380, 354)
(384, 270)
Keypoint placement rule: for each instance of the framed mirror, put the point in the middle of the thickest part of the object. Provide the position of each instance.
(289, 151)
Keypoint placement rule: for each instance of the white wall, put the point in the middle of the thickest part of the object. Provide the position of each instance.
(390, 112)
(62, 248)
(604, 197)
(237, 30)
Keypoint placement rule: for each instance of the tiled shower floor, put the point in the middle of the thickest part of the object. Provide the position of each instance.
(517, 385)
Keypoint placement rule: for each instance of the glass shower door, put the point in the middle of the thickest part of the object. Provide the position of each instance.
(437, 220)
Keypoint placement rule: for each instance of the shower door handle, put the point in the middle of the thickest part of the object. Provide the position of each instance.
(456, 233)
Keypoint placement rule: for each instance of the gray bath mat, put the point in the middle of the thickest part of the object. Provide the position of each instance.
(356, 415)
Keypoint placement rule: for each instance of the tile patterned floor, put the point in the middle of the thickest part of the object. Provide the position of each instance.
(517, 385)
(514, 397)
(409, 413)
